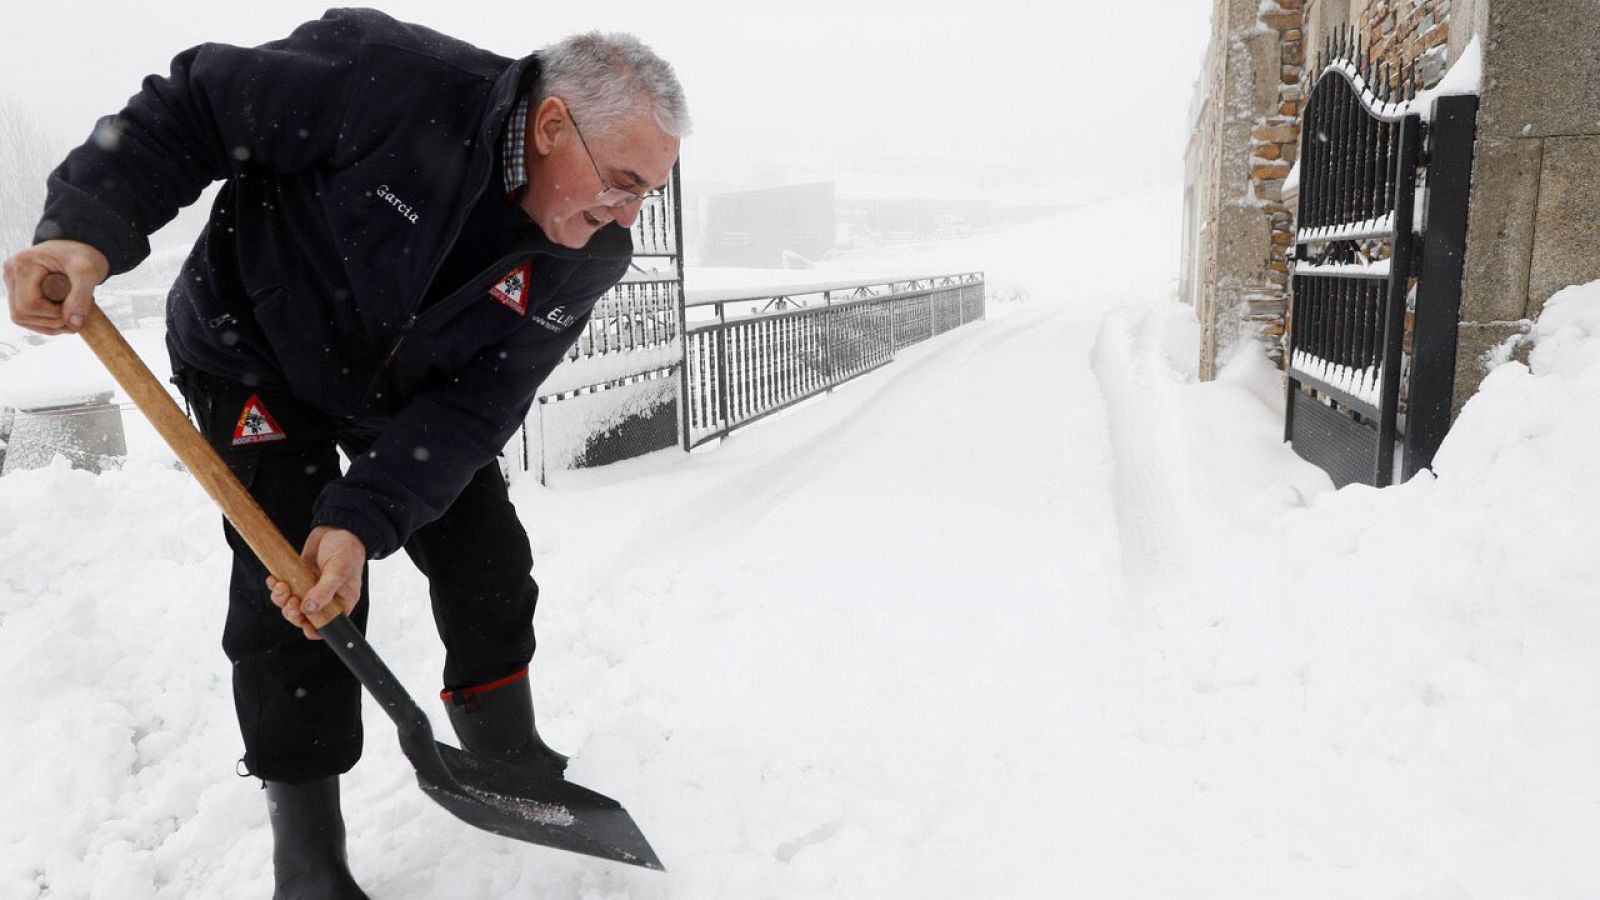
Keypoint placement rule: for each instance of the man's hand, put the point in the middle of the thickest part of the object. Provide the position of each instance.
(336, 556)
(24, 277)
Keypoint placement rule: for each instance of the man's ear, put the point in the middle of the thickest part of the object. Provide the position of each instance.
(549, 120)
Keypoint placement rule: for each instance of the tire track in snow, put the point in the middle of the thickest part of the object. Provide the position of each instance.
(1153, 488)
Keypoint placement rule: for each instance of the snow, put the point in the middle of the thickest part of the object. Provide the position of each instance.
(1361, 384)
(1375, 227)
(1388, 110)
(1372, 268)
(1465, 76)
(1027, 613)
(57, 373)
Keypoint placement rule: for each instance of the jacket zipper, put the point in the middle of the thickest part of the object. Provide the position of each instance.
(405, 330)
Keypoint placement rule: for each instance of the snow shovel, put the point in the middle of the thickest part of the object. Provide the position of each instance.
(529, 806)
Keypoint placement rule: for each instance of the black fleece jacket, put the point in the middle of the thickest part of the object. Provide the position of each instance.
(353, 152)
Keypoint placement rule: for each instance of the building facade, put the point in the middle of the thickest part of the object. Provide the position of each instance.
(1536, 156)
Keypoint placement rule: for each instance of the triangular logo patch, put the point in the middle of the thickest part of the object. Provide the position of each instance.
(256, 425)
(512, 290)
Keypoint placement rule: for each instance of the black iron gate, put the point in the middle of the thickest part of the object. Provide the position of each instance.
(1372, 345)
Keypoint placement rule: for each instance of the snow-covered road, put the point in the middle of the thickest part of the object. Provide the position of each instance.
(1020, 615)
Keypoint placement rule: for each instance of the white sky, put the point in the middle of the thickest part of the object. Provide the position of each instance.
(1084, 94)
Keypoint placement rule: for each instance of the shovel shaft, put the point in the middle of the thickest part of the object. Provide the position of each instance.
(197, 455)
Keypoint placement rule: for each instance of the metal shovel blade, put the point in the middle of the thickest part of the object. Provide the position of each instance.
(507, 800)
(537, 808)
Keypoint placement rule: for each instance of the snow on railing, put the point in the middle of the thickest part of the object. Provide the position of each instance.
(1382, 226)
(1378, 268)
(1362, 384)
(1387, 110)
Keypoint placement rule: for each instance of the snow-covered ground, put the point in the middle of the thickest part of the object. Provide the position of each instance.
(1026, 614)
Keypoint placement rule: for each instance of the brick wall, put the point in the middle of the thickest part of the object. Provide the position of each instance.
(1410, 31)
(1274, 144)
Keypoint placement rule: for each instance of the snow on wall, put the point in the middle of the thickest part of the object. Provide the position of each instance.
(561, 432)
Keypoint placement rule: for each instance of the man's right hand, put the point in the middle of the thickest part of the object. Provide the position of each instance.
(24, 276)
(338, 557)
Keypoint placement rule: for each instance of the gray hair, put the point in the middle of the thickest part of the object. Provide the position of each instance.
(607, 78)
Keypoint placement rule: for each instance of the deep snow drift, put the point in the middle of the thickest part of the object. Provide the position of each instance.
(1027, 613)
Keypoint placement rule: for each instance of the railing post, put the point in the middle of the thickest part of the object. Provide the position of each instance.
(1433, 340)
(685, 386)
(723, 416)
(827, 337)
(1405, 178)
(894, 337)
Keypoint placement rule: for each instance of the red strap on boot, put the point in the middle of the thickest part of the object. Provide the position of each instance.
(464, 696)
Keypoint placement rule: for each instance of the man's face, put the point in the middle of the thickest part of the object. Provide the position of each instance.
(563, 184)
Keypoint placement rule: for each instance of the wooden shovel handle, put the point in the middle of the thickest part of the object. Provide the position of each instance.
(191, 447)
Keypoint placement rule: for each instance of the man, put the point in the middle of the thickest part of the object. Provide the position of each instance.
(411, 234)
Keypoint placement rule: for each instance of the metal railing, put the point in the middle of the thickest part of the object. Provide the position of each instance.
(633, 315)
(1364, 147)
(748, 357)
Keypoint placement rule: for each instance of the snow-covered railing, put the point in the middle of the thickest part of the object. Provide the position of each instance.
(750, 354)
(1378, 268)
(1361, 384)
(1356, 255)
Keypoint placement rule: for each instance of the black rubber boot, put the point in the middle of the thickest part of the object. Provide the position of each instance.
(308, 857)
(496, 720)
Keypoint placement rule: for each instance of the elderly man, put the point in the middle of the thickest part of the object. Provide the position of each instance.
(411, 234)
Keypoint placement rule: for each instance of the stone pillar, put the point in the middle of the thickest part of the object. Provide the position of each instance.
(1531, 228)
(1248, 143)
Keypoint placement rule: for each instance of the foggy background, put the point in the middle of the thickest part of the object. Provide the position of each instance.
(970, 113)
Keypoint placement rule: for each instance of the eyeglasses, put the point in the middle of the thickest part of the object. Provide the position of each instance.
(610, 197)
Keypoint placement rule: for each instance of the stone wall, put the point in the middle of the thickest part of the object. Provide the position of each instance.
(1531, 228)
(1415, 32)
(1274, 146)
(1243, 138)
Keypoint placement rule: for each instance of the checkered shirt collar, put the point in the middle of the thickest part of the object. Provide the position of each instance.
(514, 145)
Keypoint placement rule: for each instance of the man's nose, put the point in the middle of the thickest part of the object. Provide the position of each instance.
(626, 213)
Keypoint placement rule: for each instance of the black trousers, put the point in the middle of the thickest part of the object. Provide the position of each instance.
(298, 707)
